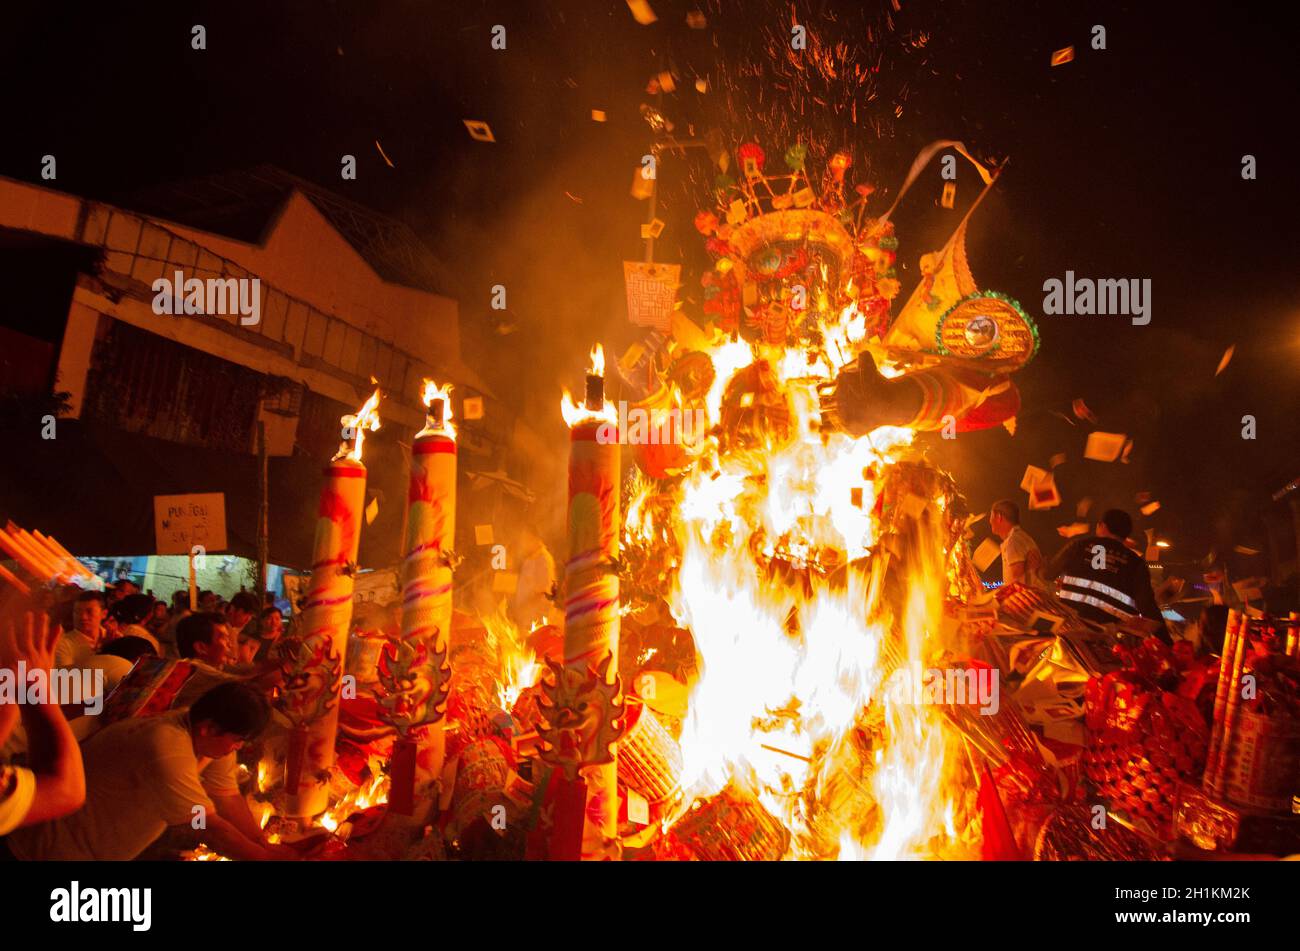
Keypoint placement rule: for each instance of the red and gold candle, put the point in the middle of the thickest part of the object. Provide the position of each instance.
(427, 585)
(591, 607)
(327, 611)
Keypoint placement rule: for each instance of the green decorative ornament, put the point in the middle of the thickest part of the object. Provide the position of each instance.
(889, 242)
(795, 156)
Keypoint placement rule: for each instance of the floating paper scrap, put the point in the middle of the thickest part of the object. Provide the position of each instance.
(483, 534)
(663, 82)
(1064, 417)
(1105, 447)
(389, 161)
(479, 130)
(651, 293)
(1033, 475)
(372, 510)
(1061, 57)
(1150, 508)
(1081, 509)
(1010, 425)
(988, 552)
(1056, 460)
(652, 230)
(1073, 529)
(949, 195)
(1081, 410)
(1128, 448)
(1243, 550)
(701, 85)
(696, 20)
(1225, 359)
(473, 407)
(504, 582)
(597, 115)
(1044, 495)
(641, 12)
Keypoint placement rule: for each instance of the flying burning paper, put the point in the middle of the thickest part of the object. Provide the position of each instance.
(1063, 56)
(641, 12)
(1081, 410)
(1056, 460)
(597, 115)
(1150, 508)
(1073, 529)
(1105, 447)
(479, 130)
(1033, 475)
(988, 552)
(483, 534)
(949, 197)
(1225, 360)
(1044, 495)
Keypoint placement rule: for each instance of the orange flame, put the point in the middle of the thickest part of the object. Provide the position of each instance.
(432, 391)
(355, 426)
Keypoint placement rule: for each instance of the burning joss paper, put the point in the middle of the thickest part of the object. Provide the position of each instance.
(988, 552)
(1044, 495)
(1033, 475)
(479, 130)
(1105, 447)
(1063, 56)
(641, 12)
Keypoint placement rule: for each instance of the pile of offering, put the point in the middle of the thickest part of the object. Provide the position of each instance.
(1147, 732)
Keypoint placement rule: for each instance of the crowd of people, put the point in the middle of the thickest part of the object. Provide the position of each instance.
(1101, 574)
(73, 787)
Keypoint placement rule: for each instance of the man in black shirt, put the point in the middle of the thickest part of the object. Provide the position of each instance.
(1105, 581)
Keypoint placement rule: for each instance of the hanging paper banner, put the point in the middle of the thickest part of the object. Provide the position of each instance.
(651, 293)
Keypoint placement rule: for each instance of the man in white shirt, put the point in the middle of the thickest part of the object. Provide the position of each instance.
(1021, 560)
(76, 647)
(146, 774)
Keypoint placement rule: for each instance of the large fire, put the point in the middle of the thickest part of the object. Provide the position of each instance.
(791, 590)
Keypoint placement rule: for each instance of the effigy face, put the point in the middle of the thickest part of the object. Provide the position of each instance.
(796, 284)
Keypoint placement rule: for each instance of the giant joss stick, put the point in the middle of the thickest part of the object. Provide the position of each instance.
(414, 702)
(591, 607)
(327, 615)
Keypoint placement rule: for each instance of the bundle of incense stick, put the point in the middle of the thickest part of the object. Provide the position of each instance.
(42, 557)
(1227, 700)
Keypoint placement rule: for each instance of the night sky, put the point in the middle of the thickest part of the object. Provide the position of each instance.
(1125, 163)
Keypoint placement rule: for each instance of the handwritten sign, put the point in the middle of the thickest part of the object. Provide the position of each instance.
(183, 521)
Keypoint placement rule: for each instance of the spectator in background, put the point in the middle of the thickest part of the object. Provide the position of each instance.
(53, 784)
(158, 618)
(1105, 580)
(130, 613)
(242, 609)
(204, 640)
(207, 600)
(1021, 559)
(76, 647)
(146, 774)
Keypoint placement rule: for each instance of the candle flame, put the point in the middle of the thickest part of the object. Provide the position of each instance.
(432, 391)
(355, 426)
(574, 412)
